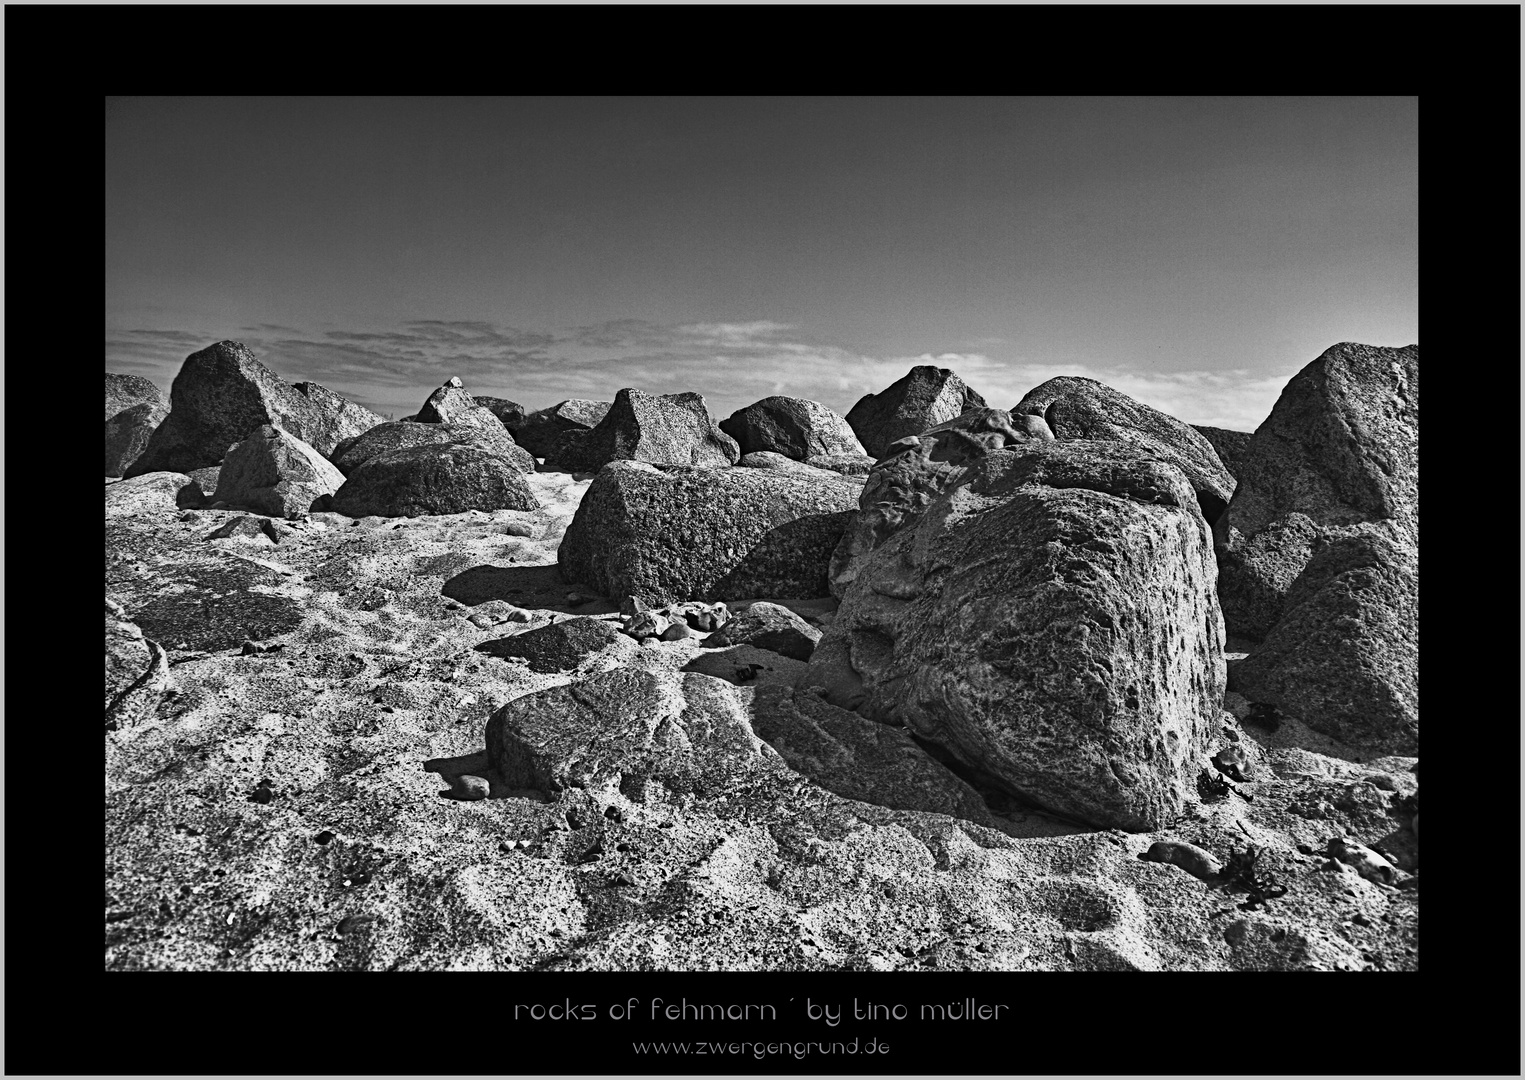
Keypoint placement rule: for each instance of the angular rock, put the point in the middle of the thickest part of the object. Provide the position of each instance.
(767, 459)
(243, 528)
(206, 479)
(925, 397)
(645, 624)
(846, 464)
(768, 626)
(794, 427)
(450, 478)
(128, 433)
(704, 534)
(1050, 620)
(126, 391)
(1229, 446)
(540, 430)
(509, 413)
(451, 404)
(662, 429)
(859, 759)
(1340, 448)
(920, 468)
(1196, 861)
(700, 616)
(559, 646)
(154, 493)
(344, 419)
(626, 729)
(221, 394)
(404, 434)
(273, 472)
(1344, 657)
(1076, 408)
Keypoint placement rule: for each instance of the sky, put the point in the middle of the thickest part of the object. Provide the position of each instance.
(1194, 253)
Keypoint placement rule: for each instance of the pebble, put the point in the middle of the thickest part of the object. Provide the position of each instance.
(645, 624)
(1194, 860)
(1364, 860)
(484, 621)
(1231, 762)
(515, 614)
(471, 787)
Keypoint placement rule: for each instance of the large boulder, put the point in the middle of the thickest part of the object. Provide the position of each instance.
(125, 391)
(221, 394)
(1050, 620)
(662, 429)
(403, 434)
(925, 397)
(448, 478)
(509, 413)
(625, 730)
(345, 419)
(1228, 445)
(128, 432)
(541, 429)
(693, 533)
(273, 472)
(1076, 408)
(1344, 656)
(1339, 450)
(917, 469)
(793, 427)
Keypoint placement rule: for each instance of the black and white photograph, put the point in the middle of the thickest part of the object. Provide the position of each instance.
(762, 535)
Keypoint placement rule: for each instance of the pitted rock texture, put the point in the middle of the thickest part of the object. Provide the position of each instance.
(767, 459)
(436, 479)
(1050, 621)
(560, 646)
(345, 418)
(141, 495)
(1229, 446)
(923, 398)
(540, 429)
(846, 464)
(127, 654)
(794, 427)
(273, 472)
(661, 429)
(403, 434)
(128, 432)
(125, 391)
(221, 394)
(1344, 658)
(1341, 449)
(1077, 408)
(768, 626)
(627, 730)
(916, 470)
(691, 533)
(509, 413)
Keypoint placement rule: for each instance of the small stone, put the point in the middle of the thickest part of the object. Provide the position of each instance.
(323, 837)
(676, 632)
(471, 788)
(1231, 762)
(623, 879)
(515, 528)
(613, 814)
(517, 615)
(484, 621)
(1194, 860)
(355, 922)
(454, 381)
(575, 818)
(1364, 860)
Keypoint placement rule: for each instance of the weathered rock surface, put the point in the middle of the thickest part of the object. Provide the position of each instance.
(404, 434)
(221, 394)
(915, 471)
(343, 418)
(1340, 449)
(125, 391)
(127, 654)
(1229, 446)
(1076, 408)
(626, 731)
(794, 427)
(154, 493)
(923, 398)
(846, 464)
(541, 429)
(560, 646)
(767, 459)
(509, 413)
(1051, 621)
(435, 479)
(662, 429)
(768, 626)
(128, 432)
(691, 533)
(1344, 657)
(273, 472)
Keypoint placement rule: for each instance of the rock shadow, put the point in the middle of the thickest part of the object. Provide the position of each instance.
(523, 586)
(789, 560)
